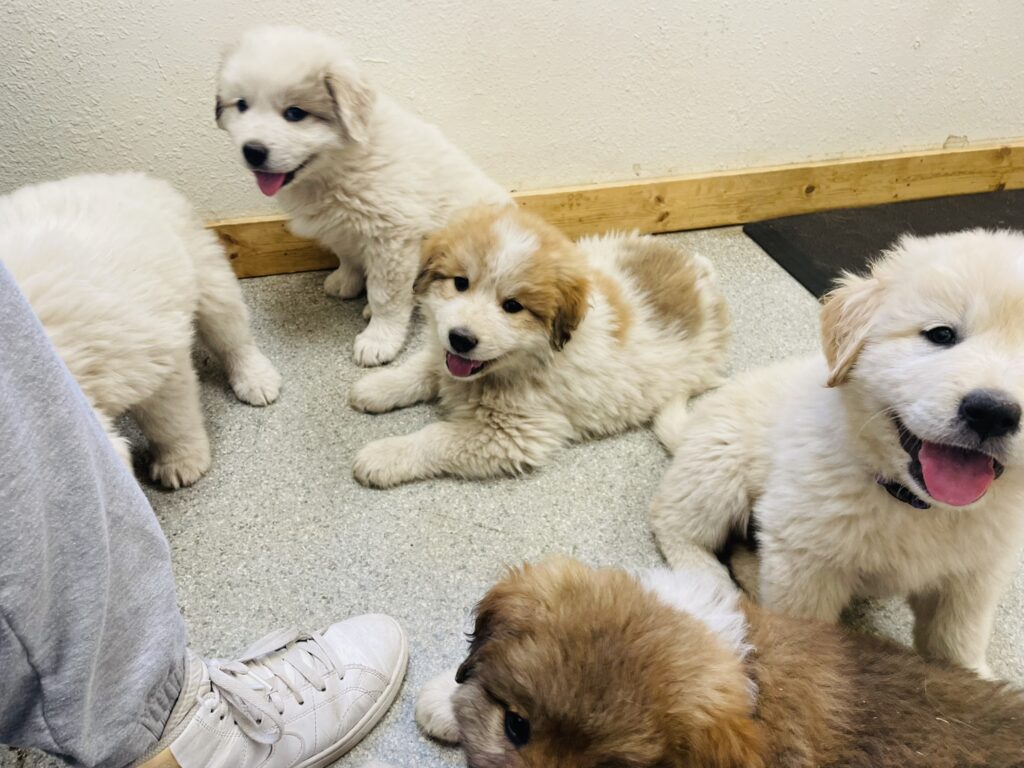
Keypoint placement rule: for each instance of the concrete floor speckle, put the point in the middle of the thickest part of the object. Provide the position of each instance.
(278, 534)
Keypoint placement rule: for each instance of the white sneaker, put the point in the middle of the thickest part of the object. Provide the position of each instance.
(292, 701)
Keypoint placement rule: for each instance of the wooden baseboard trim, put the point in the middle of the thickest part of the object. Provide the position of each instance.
(263, 245)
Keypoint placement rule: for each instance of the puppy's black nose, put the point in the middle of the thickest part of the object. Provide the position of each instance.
(461, 340)
(990, 413)
(255, 154)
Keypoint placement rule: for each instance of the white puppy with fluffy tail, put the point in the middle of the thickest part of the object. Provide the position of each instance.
(117, 268)
(892, 465)
(354, 170)
(535, 341)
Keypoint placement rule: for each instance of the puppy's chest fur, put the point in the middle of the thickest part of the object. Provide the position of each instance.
(820, 497)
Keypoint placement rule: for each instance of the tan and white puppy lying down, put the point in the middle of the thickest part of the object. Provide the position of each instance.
(534, 341)
(571, 667)
(356, 172)
(118, 268)
(891, 465)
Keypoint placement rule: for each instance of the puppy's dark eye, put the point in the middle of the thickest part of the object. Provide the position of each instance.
(511, 306)
(941, 335)
(241, 105)
(294, 114)
(461, 284)
(517, 729)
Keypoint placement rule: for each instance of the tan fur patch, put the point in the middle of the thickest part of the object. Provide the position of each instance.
(669, 279)
(620, 309)
(845, 322)
(313, 96)
(552, 283)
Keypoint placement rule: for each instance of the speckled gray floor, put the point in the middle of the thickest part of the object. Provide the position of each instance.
(278, 533)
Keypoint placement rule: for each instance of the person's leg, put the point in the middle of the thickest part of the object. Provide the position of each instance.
(92, 645)
(93, 664)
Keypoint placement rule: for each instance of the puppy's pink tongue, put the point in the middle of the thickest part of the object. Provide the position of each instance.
(460, 366)
(269, 183)
(955, 476)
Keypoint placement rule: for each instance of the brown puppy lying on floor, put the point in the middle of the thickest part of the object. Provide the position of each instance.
(571, 666)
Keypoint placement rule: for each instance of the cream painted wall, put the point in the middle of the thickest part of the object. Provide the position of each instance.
(540, 92)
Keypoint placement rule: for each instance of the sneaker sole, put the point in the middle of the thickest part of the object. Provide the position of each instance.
(370, 719)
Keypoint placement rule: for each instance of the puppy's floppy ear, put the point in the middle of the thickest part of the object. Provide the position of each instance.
(504, 610)
(353, 100)
(573, 291)
(432, 254)
(481, 634)
(846, 319)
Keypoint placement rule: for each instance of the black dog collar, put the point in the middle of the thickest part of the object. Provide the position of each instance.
(901, 492)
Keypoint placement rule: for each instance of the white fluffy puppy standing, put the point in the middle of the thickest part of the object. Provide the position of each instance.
(117, 268)
(535, 341)
(356, 172)
(889, 466)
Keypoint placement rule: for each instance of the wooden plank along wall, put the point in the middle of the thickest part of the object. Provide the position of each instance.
(263, 246)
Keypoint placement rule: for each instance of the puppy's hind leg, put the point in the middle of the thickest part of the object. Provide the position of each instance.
(435, 712)
(719, 468)
(172, 420)
(346, 282)
(223, 322)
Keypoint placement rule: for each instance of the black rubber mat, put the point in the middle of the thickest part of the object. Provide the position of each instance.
(817, 247)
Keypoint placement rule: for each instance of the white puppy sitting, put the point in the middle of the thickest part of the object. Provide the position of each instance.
(535, 341)
(355, 171)
(889, 466)
(117, 268)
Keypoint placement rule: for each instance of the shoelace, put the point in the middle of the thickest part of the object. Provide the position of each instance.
(253, 688)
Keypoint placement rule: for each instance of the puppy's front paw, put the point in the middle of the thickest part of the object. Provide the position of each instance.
(180, 468)
(378, 344)
(368, 394)
(434, 711)
(255, 380)
(379, 464)
(344, 283)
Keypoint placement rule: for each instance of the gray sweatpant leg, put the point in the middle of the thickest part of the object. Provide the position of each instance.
(92, 645)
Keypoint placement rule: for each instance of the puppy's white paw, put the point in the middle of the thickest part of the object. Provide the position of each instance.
(434, 711)
(123, 449)
(368, 394)
(378, 344)
(255, 380)
(985, 672)
(378, 464)
(344, 283)
(182, 467)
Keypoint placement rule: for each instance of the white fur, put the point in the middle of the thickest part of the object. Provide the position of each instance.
(369, 194)
(804, 457)
(534, 399)
(435, 712)
(117, 268)
(704, 596)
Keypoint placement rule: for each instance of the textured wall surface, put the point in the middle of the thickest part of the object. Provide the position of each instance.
(540, 92)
